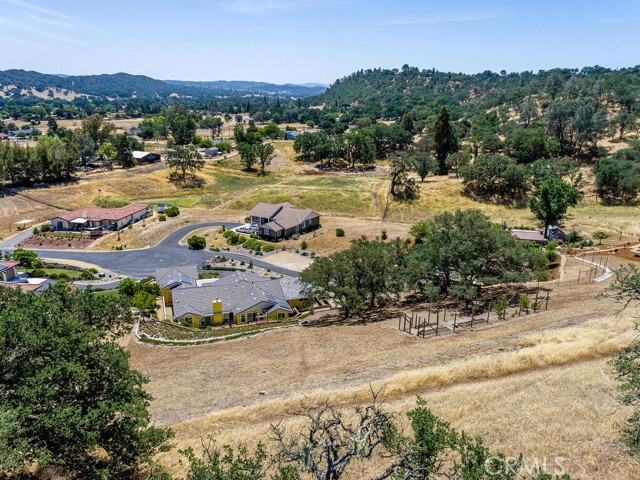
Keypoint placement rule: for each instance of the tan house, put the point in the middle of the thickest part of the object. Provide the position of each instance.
(282, 220)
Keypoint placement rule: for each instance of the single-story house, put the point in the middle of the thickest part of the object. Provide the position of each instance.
(282, 220)
(8, 270)
(146, 157)
(291, 134)
(4, 136)
(24, 287)
(528, 235)
(96, 217)
(9, 277)
(212, 152)
(240, 297)
(171, 278)
(555, 233)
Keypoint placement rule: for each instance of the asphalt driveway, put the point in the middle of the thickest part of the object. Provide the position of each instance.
(142, 263)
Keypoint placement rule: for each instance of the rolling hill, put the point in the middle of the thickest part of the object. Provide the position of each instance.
(124, 85)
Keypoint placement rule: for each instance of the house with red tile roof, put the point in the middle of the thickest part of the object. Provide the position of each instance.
(105, 218)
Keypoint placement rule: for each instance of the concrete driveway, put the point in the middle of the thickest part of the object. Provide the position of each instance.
(142, 263)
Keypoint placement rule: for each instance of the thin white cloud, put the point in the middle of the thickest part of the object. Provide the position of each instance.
(257, 6)
(53, 19)
(435, 20)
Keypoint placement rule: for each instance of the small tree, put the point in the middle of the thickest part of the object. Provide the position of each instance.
(423, 164)
(444, 138)
(500, 306)
(248, 155)
(186, 160)
(172, 211)
(600, 236)
(551, 200)
(265, 153)
(457, 160)
(27, 258)
(196, 243)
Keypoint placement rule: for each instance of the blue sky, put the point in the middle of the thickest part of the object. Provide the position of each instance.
(301, 41)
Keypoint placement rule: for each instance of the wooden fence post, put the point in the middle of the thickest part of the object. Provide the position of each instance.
(546, 303)
(437, 321)
(473, 314)
(488, 311)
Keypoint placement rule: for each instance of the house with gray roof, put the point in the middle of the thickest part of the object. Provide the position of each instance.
(175, 277)
(282, 220)
(240, 297)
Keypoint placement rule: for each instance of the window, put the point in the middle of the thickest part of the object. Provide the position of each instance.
(282, 315)
(267, 231)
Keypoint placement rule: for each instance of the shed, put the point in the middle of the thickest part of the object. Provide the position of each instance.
(212, 152)
(528, 235)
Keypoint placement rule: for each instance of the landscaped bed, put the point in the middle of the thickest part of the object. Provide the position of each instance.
(56, 241)
(168, 333)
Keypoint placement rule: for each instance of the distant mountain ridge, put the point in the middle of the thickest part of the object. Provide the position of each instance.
(289, 89)
(125, 85)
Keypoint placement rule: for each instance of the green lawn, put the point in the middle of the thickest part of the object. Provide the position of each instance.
(73, 274)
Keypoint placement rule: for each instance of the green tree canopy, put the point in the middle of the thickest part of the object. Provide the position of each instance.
(444, 138)
(551, 200)
(186, 160)
(68, 395)
(463, 250)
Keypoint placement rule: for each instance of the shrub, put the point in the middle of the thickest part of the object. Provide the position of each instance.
(35, 230)
(53, 275)
(162, 217)
(383, 235)
(87, 275)
(252, 244)
(46, 228)
(196, 243)
(304, 245)
(339, 232)
(63, 275)
(295, 236)
(172, 211)
(38, 272)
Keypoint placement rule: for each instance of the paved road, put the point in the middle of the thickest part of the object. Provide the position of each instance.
(142, 263)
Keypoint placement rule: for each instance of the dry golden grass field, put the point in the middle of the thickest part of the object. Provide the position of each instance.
(537, 384)
(358, 203)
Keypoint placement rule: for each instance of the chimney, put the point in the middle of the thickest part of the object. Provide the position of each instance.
(85, 215)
